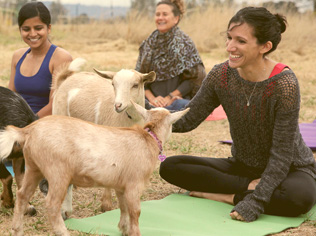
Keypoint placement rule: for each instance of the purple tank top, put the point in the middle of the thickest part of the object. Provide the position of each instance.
(35, 89)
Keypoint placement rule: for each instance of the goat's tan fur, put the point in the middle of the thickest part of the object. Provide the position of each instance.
(67, 150)
(102, 98)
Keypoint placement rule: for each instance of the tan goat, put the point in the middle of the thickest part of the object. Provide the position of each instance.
(67, 150)
(102, 98)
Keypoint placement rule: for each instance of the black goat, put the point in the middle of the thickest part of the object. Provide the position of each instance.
(14, 110)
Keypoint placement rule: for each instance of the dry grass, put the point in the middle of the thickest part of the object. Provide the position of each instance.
(112, 46)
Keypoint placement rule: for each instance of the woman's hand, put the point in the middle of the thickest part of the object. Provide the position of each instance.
(235, 216)
(171, 100)
(159, 101)
(164, 101)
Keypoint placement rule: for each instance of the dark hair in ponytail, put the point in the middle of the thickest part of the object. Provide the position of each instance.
(266, 26)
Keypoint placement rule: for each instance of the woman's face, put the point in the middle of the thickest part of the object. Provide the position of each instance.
(164, 18)
(242, 46)
(34, 32)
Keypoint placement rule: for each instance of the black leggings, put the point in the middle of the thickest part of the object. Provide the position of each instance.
(294, 196)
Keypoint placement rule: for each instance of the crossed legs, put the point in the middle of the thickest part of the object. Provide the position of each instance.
(222, 180)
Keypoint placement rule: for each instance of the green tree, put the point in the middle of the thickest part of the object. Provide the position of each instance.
(56, 10)
(191, 4)
(20, 3)
(143, 6)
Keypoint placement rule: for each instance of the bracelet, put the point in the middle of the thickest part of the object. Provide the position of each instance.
(170, 95)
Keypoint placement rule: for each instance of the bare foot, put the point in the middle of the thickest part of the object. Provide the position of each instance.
(235, 216)
(220, 197)
(253, 184)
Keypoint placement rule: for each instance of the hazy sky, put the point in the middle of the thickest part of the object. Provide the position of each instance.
(125, 3)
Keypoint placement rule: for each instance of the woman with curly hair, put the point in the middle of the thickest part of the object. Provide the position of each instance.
(173, 56)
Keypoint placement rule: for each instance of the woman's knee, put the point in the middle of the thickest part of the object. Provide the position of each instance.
(178, 104)
(167, 166)
(298, 205)
(295, 196)
(305, 199)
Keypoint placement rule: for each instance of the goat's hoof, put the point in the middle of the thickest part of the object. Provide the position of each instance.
(64, 215)
(31, 211)
(43, 186)
(6, 204)
(105, 208)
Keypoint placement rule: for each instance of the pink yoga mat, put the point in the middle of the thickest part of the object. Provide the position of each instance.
(217, 114)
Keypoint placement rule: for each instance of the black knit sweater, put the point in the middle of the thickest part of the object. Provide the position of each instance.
(265, 134)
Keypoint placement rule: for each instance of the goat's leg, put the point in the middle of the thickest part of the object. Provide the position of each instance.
(7, 195)
(106, 200)
(124, 219)
(132, 198)
(18, 168)
(66, 208)
(54, 199)
(29, 185)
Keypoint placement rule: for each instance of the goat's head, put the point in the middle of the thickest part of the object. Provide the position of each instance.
(128, 85)
(160, 120)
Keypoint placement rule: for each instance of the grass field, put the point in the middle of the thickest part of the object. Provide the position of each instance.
(114, 45)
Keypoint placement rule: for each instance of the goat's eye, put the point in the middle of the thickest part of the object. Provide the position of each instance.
(135, 86)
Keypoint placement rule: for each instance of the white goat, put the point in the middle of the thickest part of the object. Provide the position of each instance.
(90, 97)
(67, 150)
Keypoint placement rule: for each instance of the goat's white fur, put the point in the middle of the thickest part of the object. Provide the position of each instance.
(79, 62)
(67, 150)
(103, 98)
(6, 139)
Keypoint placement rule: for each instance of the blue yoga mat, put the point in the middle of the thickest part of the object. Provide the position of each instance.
(8, 165)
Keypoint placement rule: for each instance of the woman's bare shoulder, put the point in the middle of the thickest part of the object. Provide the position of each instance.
(60, 57)
(62, 54)
(19, 53)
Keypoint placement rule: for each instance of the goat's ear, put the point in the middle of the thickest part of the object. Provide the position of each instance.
(105, 74)
(141, 110)
(149, 77)
(177, 115)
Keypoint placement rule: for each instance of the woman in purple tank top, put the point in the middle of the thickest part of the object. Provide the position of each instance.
(32, 68)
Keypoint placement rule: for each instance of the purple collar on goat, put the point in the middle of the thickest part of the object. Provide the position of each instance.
(161, 157)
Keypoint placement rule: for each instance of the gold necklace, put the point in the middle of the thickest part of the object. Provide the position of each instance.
(248, 99)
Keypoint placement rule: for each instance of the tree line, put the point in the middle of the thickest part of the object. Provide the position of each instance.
(142, 6)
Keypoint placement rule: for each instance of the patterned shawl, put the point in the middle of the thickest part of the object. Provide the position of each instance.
(167, 54)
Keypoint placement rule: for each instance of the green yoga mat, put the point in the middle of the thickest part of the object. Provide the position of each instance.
(182, 215)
